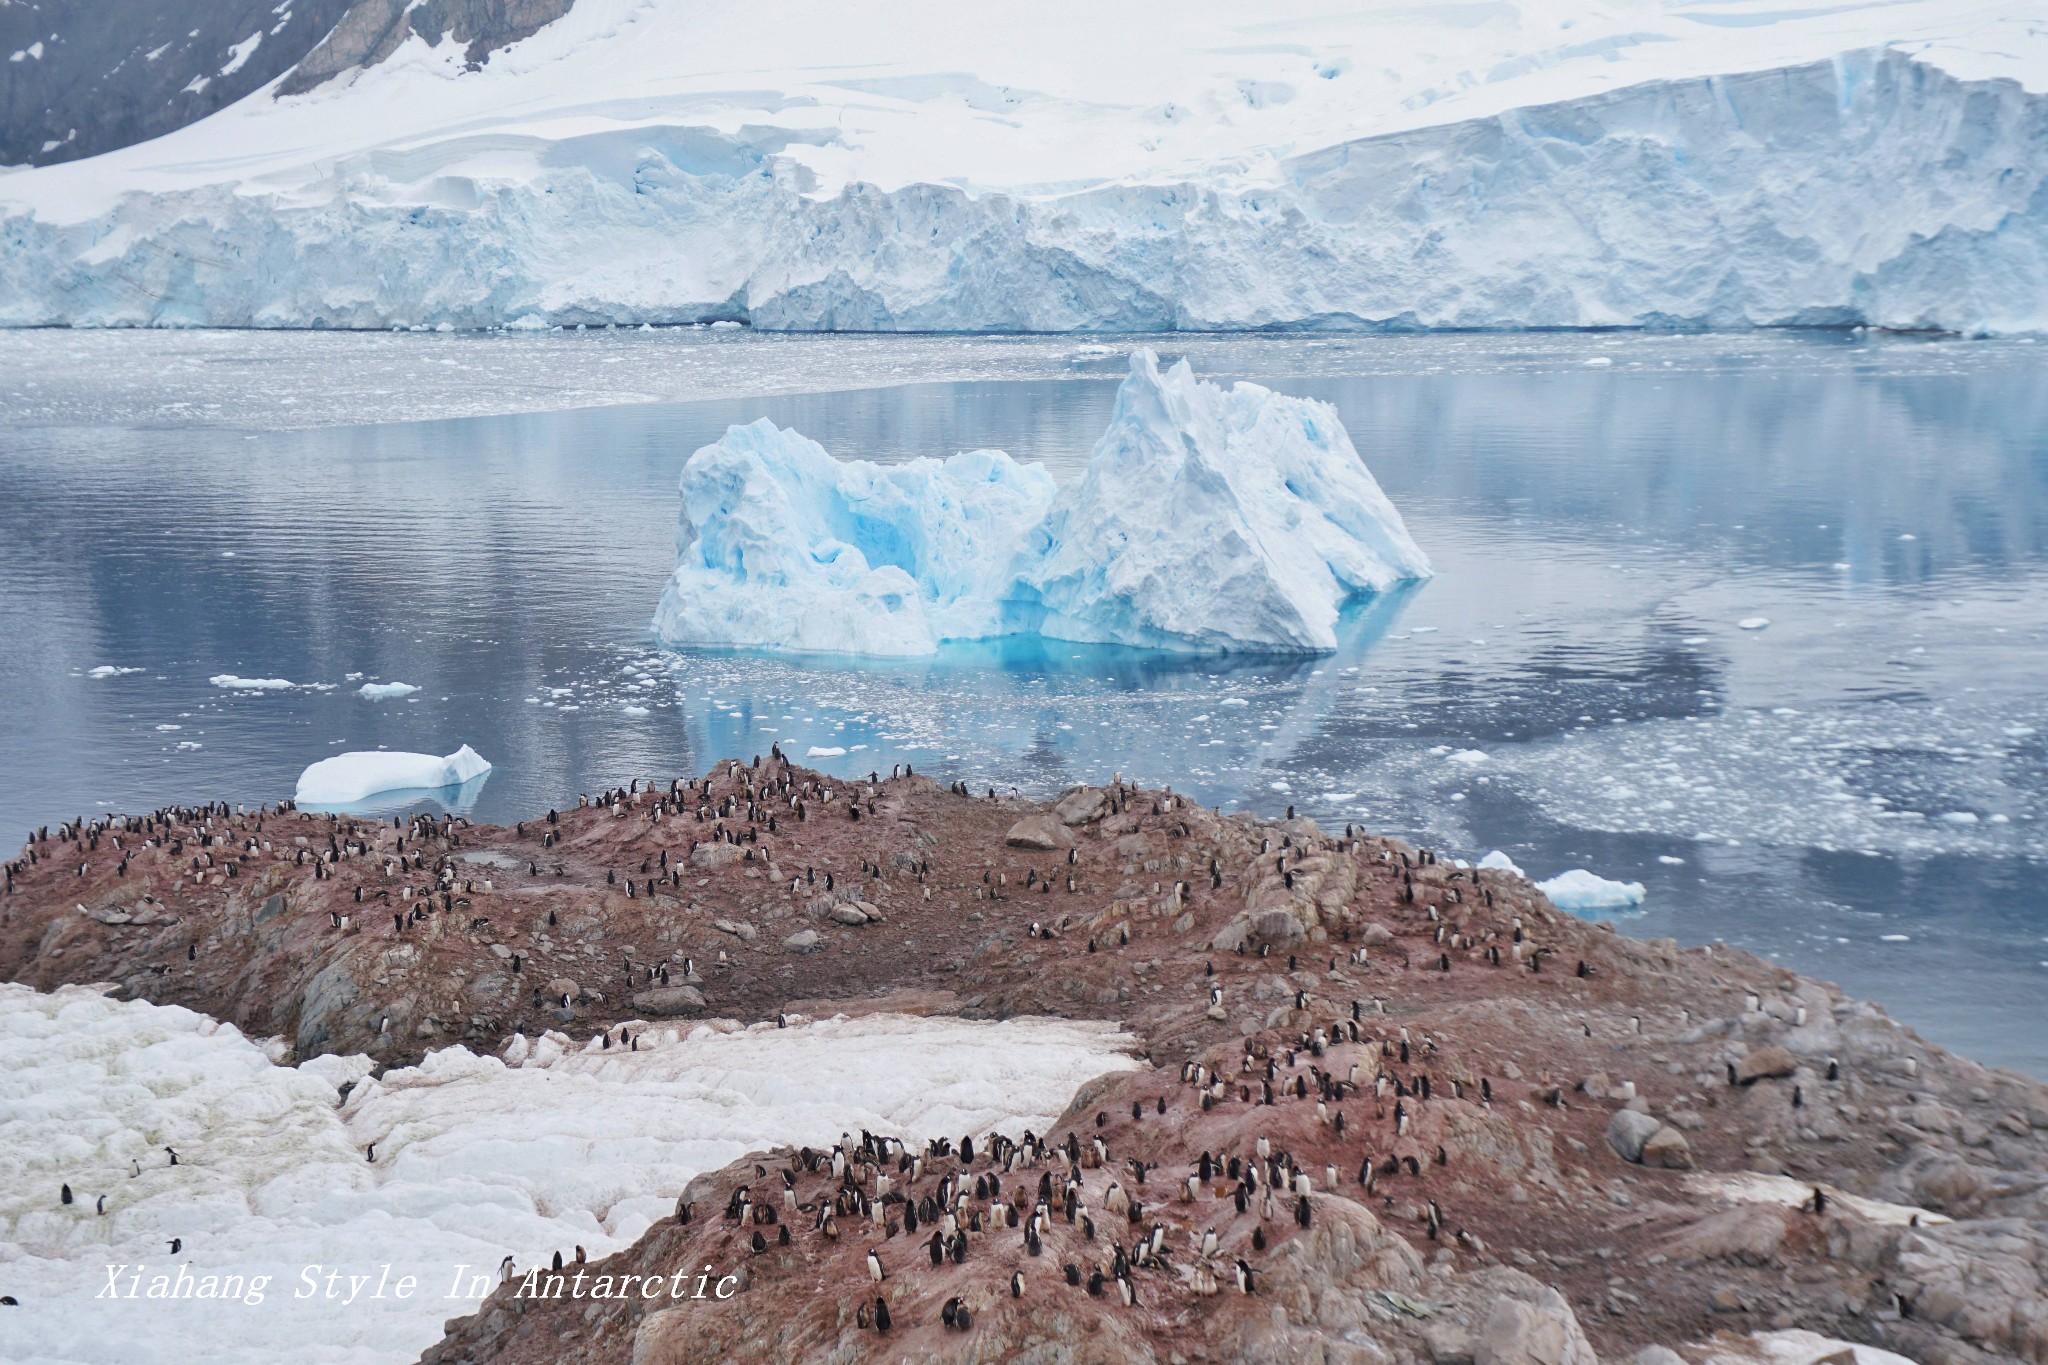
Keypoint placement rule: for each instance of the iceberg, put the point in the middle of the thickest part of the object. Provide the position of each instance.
(359, 775)
(1582, 893)
(1207, 521)
(783, 546)
(381, 691)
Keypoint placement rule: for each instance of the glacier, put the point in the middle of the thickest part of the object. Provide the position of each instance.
(1668, 175)
(1207, 521)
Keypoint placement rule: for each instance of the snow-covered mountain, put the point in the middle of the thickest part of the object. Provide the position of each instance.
(1055, 166)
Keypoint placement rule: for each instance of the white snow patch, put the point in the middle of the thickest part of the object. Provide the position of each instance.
(476, 1159)
(364, 773)
(241, 52)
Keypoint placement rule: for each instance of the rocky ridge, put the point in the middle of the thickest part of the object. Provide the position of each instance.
(1435, 1118)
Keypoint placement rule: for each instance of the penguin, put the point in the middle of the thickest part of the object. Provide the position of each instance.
(370, 1153)
(64, 1195)
(1246, 1280)
(875, 1271)
(101, 1206)
(1016, 1284)
(177, 1245)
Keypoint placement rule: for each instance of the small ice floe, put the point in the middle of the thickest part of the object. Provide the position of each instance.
(1960, 817)
(109, 671)
(1233, 701)
(234, 683)
(1669, 861)
(1581, 892)
(379, 691)
(1598, 362)
(364, 773)
(1470, 758)
(634, 711)
(1894, 938)
(1500, 862)
(1753, 622)
(824, 751)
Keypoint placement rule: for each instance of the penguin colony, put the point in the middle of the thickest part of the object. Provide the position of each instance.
(1269, 1112)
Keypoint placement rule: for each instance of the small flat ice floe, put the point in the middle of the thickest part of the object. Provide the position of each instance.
(1753, 622)
(1498, 861)
(379, 691)
(1960, 817)
(235, 683)
(359, 775)
(1471, 758)
(110, 671)
(634, 711)
(1669, 861)
(1894, 938)
(824, 751)
(1581, 892)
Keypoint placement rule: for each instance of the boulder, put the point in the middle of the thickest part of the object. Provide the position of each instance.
(1628, 1130)
(1750, 1233)
(668, 1001)
(1764, 1063)
(1277, 926)
(1542, 1332)
(738, 928)
(562, 986)
(1081, 805)
(1378, 935)
(803, 941)
(715, 855)
(1040, 833)
(1668, 1149)
(850, 915)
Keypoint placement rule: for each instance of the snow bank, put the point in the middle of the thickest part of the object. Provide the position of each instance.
(1207, 520)
(1708, 176)
(475, 1159)
(1583, 893)
(364, 773)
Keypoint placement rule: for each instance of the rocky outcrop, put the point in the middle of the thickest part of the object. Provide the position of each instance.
(372, 30)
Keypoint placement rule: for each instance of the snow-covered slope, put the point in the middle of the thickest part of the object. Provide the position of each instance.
(1206, 521)
(1054, 165)
(555, 1145)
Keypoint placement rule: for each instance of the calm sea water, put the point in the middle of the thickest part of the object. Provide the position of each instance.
(1759, 623)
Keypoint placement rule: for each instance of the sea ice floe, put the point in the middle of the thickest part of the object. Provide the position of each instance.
(380, 691)
(234, 683)
(361, 774)
(1581, 892)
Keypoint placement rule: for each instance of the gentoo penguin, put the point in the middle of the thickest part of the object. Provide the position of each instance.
(1246, 1283)
(1016, 1284)
(64, 1195)
(1209, 1242)
(875, 1271)
(174, 1154)
(177, 1245)
(504, 1270)
(101, 1206)
(370, 1153)
(1127, 1291)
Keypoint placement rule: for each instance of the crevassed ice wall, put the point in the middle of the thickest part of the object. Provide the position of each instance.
(1867, 189)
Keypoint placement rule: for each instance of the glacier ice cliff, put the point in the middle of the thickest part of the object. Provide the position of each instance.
(1208, 520)
(1871, 188)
